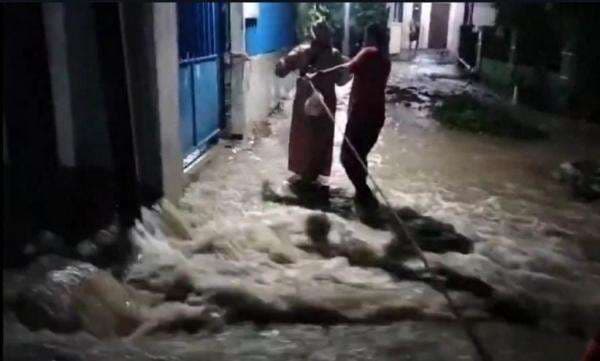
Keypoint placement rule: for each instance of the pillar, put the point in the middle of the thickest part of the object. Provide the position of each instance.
(56, 38)
(151, 53)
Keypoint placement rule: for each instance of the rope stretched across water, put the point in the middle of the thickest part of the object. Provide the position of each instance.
(483, 354)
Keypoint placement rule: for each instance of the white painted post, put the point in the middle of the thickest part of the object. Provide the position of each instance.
(5, 158)
(479, 45)
(167, 78)
(237, 122)
(346, 45)
(56, 39)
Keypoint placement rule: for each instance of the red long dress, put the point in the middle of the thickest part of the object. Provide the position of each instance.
(311, 138)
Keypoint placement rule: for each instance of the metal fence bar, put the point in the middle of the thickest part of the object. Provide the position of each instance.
(199, 59)
(198, 30)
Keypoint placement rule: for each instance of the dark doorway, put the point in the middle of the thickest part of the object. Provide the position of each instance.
(438, 26)
(28, 108)
(29, 122)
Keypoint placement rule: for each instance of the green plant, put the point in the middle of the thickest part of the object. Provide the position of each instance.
(574, 27)
(365, 13)
(361, 14)
(308, 15)
(464, 112)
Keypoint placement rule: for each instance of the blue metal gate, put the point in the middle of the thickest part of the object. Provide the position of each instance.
(201, 46)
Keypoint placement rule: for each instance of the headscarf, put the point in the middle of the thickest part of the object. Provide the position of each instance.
(321, 32)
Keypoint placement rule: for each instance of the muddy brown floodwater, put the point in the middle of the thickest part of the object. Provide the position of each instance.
(534, 248)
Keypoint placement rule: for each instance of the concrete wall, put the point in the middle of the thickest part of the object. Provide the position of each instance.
(87, 100)
(150, 47)
(404, 42)
(255, 90)
(262, 89)
(81, 128)
(56, 38)
(137, 23)
(5, 158)
(150, 32)
(484, 14)
(425, 20)
(455, 20)
(400, 31)
(275, 28)
(236, 27)
(396, 34)
(404, 27)
(167, 67)
(395, 29)
(236, 123)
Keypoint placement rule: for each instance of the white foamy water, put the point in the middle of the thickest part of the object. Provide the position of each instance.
(533, 243)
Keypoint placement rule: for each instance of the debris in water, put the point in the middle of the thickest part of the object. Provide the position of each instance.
(583, 177)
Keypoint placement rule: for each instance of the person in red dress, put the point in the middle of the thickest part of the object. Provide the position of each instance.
(366, 110)
(311, 137)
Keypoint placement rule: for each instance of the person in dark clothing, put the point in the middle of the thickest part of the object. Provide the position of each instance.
(413, 35)
(366, 111)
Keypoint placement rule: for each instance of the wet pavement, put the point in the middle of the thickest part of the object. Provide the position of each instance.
(534, 246)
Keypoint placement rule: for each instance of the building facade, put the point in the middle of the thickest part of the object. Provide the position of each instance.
(439, 23)
(139, 92)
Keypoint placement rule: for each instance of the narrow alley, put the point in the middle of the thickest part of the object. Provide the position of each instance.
(228, 263)
(532, 247)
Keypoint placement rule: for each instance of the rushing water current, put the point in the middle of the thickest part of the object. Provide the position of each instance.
(532, 242)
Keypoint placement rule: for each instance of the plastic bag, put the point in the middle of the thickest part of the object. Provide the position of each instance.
(314, 105)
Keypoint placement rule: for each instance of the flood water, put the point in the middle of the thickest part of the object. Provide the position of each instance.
(485, 186)
(532, 240)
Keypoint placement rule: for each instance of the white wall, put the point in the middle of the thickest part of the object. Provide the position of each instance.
(397, 41)
(455, 20)
(484, 14)
(150, 45)
(400, 31)
(395, 37)
(139, 50)
(167, 67)
(404, 43)
(395, 30)
(425, 21)
(255, 90)
(404, 27)
(79, 109)
(90, 119)
(262, 89)
(5, 158)
(56, 40)
(237, 121)
(151, 55)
